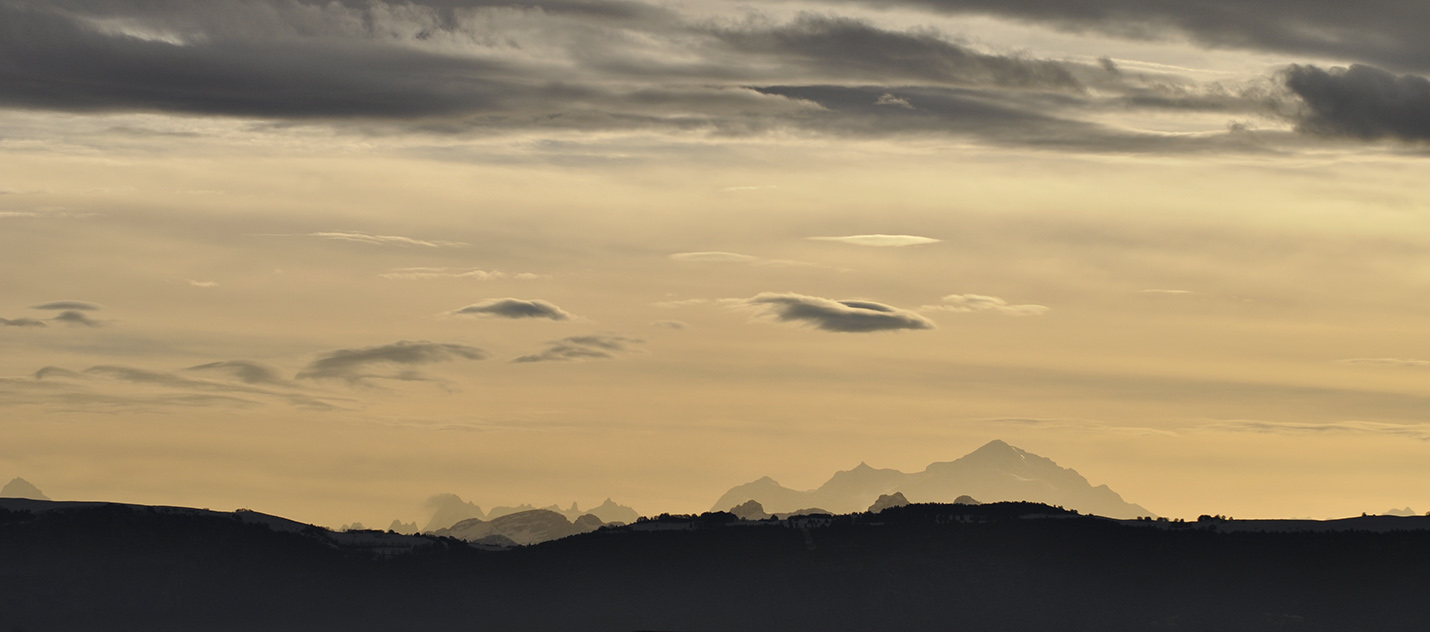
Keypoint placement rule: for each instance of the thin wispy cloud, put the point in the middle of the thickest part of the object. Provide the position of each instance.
(880, 241)
(21, 322)
(889, 99)
(1414, 431)
(669, 324)
(845, 316)
(245, 371)
(678, 303)
(969, 303)
(150, 389)
(475, 274)
(514, 308)
(371, 239)
(577, 348)
(1387, 362)
(358, 366)
(716, 256)
(386, 240)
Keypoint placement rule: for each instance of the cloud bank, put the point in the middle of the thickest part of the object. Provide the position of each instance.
(439, 66)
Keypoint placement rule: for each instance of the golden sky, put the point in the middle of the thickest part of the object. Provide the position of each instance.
(327, 259)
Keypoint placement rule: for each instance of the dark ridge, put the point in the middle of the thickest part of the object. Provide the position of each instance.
(999, 566)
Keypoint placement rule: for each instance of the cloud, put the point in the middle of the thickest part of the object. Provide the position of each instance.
(966, 303)
(353, 365)
(244, 371)
(68, 305)
(669, 324)
(21, 322)
(76, 317)
(1361, 102)
(454, 273)
(1387, 362)
(386, 240)
(734, 257)
(714, 257)
(889, 99)
(1167, 292)
(63, 386)
(1416, 431)
(672, 304)
(480, 66)
(592, 347)
(851, 316)
(515, 308)
(854, 49)
(1389, 32)
(998, 117)
(205, 284)
(881, 241)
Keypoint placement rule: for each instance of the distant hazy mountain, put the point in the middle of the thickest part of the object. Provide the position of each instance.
(886, 501)
(450, 509)
(526, 527)
(994, 472)
(21, 488)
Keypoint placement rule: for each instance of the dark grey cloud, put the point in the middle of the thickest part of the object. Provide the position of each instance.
(21, 322)
(591, 347)
(187, 63)
(515, 308)
(244, 371)
(76, 317)
(354, 366)
(68, 305)
(849, 316)
(857, 50)
(1386, 32)
(1361, 102)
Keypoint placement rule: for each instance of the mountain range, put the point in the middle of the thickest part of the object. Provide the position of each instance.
(995, 472)
(449, 509)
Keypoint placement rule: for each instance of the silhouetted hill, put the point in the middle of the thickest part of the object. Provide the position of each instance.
(998, 566)
(525, 527)
(449, 509)
(997, 471)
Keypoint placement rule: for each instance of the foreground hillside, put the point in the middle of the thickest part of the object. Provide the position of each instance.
(1002, 566)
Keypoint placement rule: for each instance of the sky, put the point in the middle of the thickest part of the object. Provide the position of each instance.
(327, 259)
